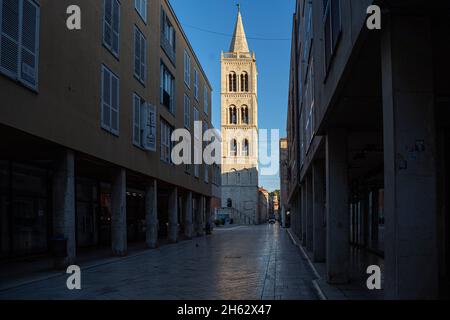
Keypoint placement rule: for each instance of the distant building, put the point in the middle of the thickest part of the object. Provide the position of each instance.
(263, 205)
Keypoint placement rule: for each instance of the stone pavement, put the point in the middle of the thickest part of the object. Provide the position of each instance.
(257, 262)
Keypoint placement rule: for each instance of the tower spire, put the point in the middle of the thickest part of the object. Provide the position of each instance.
(239, 41)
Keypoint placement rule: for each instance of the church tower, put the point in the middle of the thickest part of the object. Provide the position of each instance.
(239, 107)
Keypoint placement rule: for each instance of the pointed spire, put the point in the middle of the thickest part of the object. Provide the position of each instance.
(239, 42)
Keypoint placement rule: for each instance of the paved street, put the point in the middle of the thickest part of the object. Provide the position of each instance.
(237, 263)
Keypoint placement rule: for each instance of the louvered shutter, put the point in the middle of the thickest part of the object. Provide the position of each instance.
(115, 104)
(106, 98)
(137, 52)
(30, 44)
(137, 120)
(115, 26)
(143, 58)
(9, 50)
(107, 23)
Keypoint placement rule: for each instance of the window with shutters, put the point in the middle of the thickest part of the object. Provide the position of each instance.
(19, 41)
(168, 36)
(141, 8)
(167, 89)
(138, 102)
(196, 84)
(187, 69)
(332, 28)
(111, 26)
(109, 101)
(205, 100)
(166, 141)
(187, 112)
(197, 137)
(140, 53)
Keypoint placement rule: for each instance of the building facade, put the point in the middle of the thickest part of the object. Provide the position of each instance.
(283, 203)
(367, 140)
(239, 100)
(86, 118)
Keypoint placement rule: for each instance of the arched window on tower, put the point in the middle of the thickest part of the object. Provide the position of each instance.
(245, 148)
(244, 82)
(244, 115)
(233, 148)
(232, 82)
(233, 115)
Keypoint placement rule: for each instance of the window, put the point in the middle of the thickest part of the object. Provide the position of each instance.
(197, 138)
(332, 27)
(19, 41)
(233, 115)
(144, 124)
(166, 141)
(308, 32)
(187, 112)
(196, 84)
(187, 69)
(167, 89)
(137, 105)
(232, 82)
(110, 101)
(309, 104)
(233, 148)
(245, 148)
(168, 37)
(244, 82)
(111, 26)
(140, 60)
(244, 115)
(141, 8)
(205, 99)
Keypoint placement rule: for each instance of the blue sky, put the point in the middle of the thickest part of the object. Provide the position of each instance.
(209, 25)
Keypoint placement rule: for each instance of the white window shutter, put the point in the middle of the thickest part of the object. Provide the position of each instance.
(137, 52)
(107, 23)
(143, 59)
(115, 105)
(30, 43)
(115, 27)
(148, 125)
(9, 59)
(136, 120)
(106, 98)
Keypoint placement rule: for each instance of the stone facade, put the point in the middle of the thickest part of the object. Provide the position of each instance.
(240, 128)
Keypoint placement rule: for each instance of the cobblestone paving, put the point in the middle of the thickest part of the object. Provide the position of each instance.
(254, 263)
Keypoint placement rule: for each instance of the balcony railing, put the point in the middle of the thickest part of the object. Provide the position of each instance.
(237, 55)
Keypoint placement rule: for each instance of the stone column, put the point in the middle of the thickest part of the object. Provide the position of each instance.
(151, 214)
(309, 213)
(410, 175)
(303, 209)
(64, 206)
(319, 236)
(338, 222)
(188, 218)
(119, 213)
(173, 215)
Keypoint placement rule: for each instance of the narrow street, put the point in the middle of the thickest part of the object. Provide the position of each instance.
(257, 262)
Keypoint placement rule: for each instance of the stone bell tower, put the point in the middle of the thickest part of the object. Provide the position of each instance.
(239, 107)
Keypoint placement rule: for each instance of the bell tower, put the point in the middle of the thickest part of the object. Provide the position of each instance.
(239, 107)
